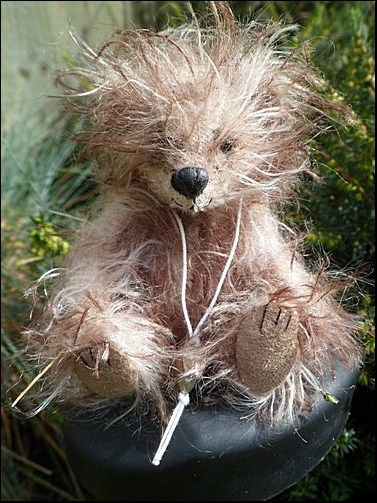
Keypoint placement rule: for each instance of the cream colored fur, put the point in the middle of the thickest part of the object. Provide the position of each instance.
(233, 100)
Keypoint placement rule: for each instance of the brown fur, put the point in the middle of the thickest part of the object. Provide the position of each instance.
(233, 100)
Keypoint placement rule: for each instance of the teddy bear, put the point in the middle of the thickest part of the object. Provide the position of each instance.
(185, 279)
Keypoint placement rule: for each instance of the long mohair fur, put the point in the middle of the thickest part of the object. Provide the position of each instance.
(235, 100)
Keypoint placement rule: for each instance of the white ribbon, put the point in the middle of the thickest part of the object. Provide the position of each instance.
(183, 396)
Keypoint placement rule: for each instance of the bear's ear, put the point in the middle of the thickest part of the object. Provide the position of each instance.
(301, 90)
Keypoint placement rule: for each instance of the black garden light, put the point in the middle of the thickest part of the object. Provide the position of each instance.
(214, 455)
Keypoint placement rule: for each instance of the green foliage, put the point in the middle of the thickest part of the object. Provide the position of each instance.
(330, 398)
(41, 180)
(343, 208)
(45, 241)
(46, 185)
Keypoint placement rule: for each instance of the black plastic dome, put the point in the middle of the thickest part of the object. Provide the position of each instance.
(214, 455)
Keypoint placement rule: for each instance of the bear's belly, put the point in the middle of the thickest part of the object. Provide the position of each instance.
(166, 301)
(175, 281)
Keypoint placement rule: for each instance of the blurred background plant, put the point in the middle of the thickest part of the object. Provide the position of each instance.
(47, 185)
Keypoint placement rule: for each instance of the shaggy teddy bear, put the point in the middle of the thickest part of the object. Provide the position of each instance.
(185, 278)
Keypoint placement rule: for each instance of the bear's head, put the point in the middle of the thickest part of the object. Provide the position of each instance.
(201, 118)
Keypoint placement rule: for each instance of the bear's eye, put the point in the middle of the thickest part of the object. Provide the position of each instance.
(227, 145)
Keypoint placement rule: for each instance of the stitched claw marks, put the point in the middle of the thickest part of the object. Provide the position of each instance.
(105, 371)
(266, 347)
(276, 321)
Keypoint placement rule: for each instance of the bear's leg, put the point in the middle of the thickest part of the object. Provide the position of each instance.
(266, 347)
(114, 354)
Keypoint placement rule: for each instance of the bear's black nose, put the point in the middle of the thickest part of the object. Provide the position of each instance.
(190, 181)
